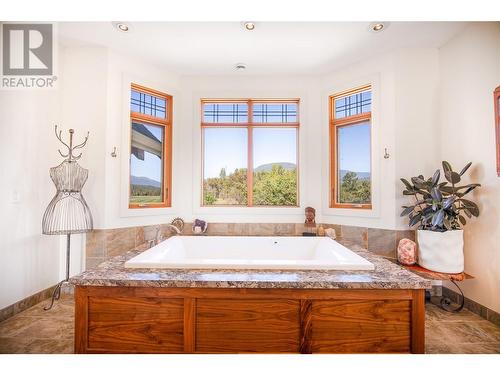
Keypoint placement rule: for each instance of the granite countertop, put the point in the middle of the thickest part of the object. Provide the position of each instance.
(387, 275)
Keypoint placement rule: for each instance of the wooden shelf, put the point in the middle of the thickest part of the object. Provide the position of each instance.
(433, 275)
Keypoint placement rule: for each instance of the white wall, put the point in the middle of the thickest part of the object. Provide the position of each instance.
(122, 71)
(82, 88)
(403, 112)
(29, 261)
(379, 72)
(416, 120)
(469, 72)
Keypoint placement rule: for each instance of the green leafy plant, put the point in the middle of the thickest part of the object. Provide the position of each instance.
(439, 206)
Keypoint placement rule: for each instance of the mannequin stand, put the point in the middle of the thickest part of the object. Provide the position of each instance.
(56, 294)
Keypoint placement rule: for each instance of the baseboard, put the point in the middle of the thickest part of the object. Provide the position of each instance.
(28, 302)
(473, 306)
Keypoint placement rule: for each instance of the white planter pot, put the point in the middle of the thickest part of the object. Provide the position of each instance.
(441, 251)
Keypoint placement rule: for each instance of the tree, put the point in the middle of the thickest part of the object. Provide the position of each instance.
(209, 198)
(226, 189)
(277, 187)
(354, 190)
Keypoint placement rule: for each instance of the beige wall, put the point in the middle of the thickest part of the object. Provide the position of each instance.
(469, 71)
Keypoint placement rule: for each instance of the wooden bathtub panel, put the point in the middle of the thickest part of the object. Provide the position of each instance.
(139, 319)
(381, 326)
(247, 325)
(138, 324)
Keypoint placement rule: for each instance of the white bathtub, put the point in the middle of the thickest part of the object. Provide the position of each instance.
(227, 252)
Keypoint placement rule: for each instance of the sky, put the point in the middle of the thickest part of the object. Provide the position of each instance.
(354, 147)
(227, 148)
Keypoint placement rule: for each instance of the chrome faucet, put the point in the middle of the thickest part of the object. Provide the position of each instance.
(157, 238)
(177, 230)
(177, 225)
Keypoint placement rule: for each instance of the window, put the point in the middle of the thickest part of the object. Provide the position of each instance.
(250, 152)
(350, 149)
(150, 148)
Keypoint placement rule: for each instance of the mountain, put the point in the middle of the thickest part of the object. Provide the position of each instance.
(144, 181)
(361, 175)
(268, 167)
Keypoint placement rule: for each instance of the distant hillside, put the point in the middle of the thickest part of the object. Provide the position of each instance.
(268, 167)
(360, 175)
(144, 181)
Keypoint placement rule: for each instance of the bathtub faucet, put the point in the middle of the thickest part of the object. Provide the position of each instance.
(177, 225)
(174, 227)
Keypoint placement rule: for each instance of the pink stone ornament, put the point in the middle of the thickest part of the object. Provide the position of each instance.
(407, 252)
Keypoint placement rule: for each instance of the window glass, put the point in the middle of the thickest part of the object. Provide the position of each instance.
(225, 166)
(146, 163)
(354, 104)
(232, 133)
(148, 104)
(275, 112)
(353, 164)
(225, 112)
(275, 166)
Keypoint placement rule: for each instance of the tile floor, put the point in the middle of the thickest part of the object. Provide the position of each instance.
(38, 331)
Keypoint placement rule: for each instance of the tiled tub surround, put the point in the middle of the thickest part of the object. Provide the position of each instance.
(103, 244)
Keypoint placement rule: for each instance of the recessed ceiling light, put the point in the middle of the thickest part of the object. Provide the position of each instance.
(121, 26)
(240, 67)
(377, 27)
(249, 25)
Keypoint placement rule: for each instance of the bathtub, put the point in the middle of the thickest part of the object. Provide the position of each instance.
(241, 252)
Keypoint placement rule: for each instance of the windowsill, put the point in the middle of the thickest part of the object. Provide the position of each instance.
(147, 211)
(350, 212)
(243, 210)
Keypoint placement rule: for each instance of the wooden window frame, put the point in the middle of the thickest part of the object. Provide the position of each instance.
(167, 145)
(249, 125)
(334, 124)
(496, 100)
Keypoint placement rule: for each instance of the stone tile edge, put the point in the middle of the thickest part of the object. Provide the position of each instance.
(473, 306)
(26, 303)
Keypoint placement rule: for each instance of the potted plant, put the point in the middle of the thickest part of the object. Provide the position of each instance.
(440, 212)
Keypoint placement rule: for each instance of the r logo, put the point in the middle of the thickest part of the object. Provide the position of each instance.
(27, 49)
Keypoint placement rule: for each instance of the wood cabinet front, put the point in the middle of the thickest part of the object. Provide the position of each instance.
(364, 326)
(139, 325)
(176, 320)
(247, 325)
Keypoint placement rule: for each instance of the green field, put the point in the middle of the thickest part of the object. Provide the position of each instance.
(145, 199)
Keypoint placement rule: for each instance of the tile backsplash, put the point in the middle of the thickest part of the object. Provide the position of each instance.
(103, 244)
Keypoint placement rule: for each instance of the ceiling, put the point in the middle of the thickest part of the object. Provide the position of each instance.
(277, 48)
